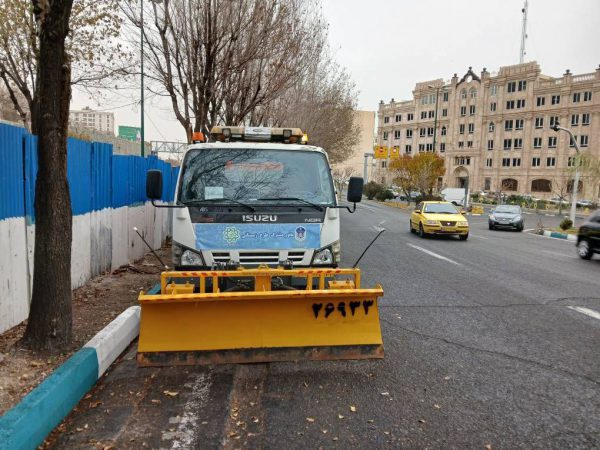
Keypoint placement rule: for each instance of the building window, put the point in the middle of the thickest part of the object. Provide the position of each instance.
(463, 94)
(554, 121)
(445, 96)
(430, 131)
(410, 116)
(583, 140)
(471, 128)
(535, 162)
(408, 149)
(572, 161)
(574, 120)
(421, 147)
(424, 100)
(487, 184)
(409, 134)
(422, 132)
(473, 93)
(505, 162)
(488, 162)
(510, 104)
(522, 85)
(398, 117)
(444, 130)
(431, 114)
(572, 141)
(585, 119)
(469, 144)
(461, 144)
(491, 127)
(442, 147)
(518, 143)
(537, 142)
(493, 107)
(423, 115)
(490, 144)
(570, 185)
(576, 97)
(386, 119)
(508, 125)
(555, 99)
(397, 134)
(507, 144)
(539, 122)
(541, 101)
(461, 128)
(518, 124)
(493, 89)
(521, 103)
(383, 164)
(463, 111)
(552, 142)
(385, 135)
(510, 184)
(512, 86)
(429, 147)
(516, 162)
(551, 161)
(444, 112)
(541, 185)
(587, 96)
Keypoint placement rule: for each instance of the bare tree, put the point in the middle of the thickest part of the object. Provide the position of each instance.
(50, 319)
(341, 176)
(93, 47)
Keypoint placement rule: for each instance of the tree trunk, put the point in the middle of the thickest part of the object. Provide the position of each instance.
(50, 318)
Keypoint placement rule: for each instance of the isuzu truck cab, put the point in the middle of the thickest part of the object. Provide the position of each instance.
(255, 196)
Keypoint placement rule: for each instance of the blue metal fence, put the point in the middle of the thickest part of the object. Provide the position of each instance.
(97, 178)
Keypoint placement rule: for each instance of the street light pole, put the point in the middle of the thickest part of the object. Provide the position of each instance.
(576, 180)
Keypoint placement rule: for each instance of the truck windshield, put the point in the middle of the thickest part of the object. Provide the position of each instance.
(256, 176)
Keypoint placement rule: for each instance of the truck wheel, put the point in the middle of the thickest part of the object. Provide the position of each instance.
(422, 233)
(584, 250)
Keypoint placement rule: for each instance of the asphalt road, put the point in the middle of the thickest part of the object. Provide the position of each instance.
(483, 349)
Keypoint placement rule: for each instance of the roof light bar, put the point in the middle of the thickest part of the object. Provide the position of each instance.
(258, 134)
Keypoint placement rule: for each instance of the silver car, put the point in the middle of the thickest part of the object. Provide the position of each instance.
(507, 216)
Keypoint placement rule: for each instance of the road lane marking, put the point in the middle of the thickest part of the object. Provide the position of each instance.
(559, 254)
(186, 434)
(586, 311)
(478, 237)
(435, 255)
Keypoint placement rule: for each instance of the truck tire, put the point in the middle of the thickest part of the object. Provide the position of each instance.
(584, 250)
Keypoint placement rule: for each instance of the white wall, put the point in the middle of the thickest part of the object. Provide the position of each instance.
(102, 241)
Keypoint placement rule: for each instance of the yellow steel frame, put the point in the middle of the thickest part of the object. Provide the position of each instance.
(279, 324)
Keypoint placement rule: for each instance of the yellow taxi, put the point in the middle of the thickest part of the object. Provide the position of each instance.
(438, 218)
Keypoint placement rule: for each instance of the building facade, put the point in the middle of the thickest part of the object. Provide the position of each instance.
(494, 130)
(103, 122)
(355, 165)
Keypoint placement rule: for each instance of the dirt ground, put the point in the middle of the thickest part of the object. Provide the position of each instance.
(95, 305)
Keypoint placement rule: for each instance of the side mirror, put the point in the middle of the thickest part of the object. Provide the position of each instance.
(355, 190)
(154, 184)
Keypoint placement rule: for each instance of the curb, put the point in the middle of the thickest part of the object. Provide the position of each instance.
(556, 235)
(27, 424)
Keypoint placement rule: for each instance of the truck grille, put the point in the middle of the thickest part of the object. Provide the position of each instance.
(256, 258)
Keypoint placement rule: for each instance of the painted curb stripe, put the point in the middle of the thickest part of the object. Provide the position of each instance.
(113, 339)
(27, 424)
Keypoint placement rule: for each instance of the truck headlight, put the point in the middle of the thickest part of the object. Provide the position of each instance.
(323, 257)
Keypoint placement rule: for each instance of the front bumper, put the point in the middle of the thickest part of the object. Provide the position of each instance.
(508, 225)
(438, 229)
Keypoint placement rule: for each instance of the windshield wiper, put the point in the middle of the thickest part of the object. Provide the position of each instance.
(314, 205)
(225, 199)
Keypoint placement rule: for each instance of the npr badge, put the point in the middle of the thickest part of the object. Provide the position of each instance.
(300, 234)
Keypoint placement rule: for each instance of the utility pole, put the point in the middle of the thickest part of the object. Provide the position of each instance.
(575, 188)
(523, 33)
(142, 80)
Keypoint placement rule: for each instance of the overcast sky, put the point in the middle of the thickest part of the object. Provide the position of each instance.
(389, 45)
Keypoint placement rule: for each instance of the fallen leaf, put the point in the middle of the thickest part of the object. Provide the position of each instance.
(386, 432)
(370, 421)
(155, 401)
(95, 404)
(171, 393)
(310, 419)
(340, 416)
(334, 438)
(436, 406)
(353, 408)
(421, 420)
(446, 378)
(324, 431)
(385, 393)
(488, 446)
(254, 419)
(305, 384)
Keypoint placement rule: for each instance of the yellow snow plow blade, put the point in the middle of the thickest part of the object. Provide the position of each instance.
(259, 319)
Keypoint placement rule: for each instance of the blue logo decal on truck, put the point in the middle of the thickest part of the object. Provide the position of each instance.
(212, 236)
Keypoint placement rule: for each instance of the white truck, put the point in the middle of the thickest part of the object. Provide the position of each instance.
(255, 196)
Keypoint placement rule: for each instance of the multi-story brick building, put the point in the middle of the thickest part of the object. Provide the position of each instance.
(493, 130)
